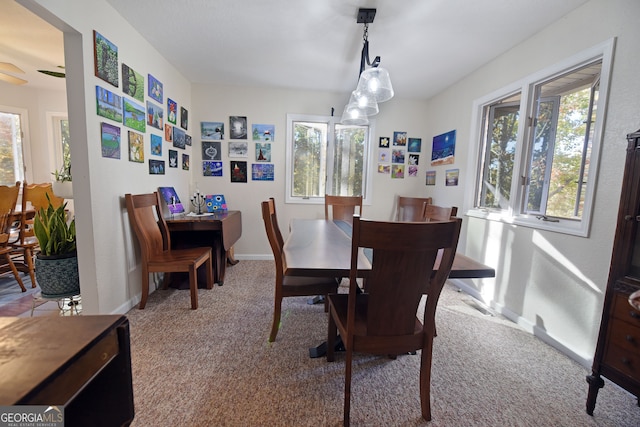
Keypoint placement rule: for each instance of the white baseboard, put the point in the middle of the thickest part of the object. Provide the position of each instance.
(525, 324)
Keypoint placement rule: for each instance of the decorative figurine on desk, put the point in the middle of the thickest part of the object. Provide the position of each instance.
(198, 202)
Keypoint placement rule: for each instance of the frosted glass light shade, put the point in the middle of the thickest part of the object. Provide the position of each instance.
(377, 82)
(353, 116)
(364, 101)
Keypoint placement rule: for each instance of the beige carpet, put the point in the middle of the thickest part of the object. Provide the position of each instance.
(214, 367)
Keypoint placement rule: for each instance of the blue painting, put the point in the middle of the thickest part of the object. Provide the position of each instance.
(444, 148)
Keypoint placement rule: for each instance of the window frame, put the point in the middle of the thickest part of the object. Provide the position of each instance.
(26, 140)
(515, 213)
(331, 121)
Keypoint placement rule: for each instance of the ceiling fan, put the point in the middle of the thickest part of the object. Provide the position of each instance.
(7, 71)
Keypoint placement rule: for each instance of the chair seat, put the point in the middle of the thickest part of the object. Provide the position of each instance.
(177, 259)
(304, 286)
(370, 343)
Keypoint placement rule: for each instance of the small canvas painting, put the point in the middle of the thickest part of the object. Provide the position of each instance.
(172, 111)
(185, 162)
(414, 145)
(238, 149)
(108, 104)
(172, 200)
(397, 171)
(263, 151)
(173, 158)
(210, 168)
(110, 140)
(132, 83)
(431, 178)
(156, 167)
(168, 132)
(184, 118)
(136, 147)
(211, 150)
(212, 130)
(134, 116)
(400, 139)
(262, 171)
(263, 132)
(238, 171)
(155, 89)
(238, 127)
(444, 149)
(105, 55)
(179, 137)
(215, 203)
(156, 145)
(155, 115)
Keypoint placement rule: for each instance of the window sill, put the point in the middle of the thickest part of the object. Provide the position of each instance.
(571, 227)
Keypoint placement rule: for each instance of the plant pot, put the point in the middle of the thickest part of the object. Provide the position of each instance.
(57, 275)
(63, 189)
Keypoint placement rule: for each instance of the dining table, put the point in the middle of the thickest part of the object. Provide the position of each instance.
(322, 248)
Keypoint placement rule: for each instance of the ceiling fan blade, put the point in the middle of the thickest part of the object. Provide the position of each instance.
(11, 79)
(7, 66)
(52, 73)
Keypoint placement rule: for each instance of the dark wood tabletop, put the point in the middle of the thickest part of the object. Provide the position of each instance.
(318, 248)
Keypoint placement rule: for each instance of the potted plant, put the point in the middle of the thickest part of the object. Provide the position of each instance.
(57, 261)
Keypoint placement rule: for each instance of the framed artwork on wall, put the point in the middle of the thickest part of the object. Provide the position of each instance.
(172, 111)
(173, 158)
(212, 130)
(262, 171)
(211, 150)
(110, 140)
(108, 104)
(134, 115)
(263, 132)
(132, 83)
(210, 168)
(184, 118)
(156, 167)
(431, 178)
(155, 89)
(263, 151)
(238, 171)
(168, 132)
(414, 145)
(238, 149)
(444, 149)
(238, 127)
(156, 145)
(179, 137)
(105, 56)
(155, 115)
(136, 147)
(185, 162)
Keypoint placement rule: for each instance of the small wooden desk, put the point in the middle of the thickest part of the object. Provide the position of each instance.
(83, 363)
(319, 248)
(220, 231)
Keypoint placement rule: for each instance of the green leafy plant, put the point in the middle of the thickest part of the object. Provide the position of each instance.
(55, 235)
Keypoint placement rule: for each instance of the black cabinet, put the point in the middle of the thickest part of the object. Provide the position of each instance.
(617, 356)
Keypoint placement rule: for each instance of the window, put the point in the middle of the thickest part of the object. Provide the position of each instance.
(540, 143)
(12, 163)
(325, 157)
(60, 138)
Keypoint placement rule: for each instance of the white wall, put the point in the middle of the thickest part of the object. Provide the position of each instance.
(266, 106)
(554, 283)
(109, 264)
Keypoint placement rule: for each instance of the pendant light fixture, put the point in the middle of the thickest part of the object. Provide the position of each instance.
(374, 83)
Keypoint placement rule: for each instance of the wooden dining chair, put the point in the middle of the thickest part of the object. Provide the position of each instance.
(150, 227)
(342, 207)
(289, 286)
(10, 244)
(438, 213)
(411, 208)
(6, 250)
(383, 320)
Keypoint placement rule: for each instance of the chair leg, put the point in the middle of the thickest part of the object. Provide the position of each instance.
(275, 326)
(28, 259)
(425, 378)
(331, 337)
(209, 266)
(347, 386)
(15, 272)
(193, 286)
(145, 287)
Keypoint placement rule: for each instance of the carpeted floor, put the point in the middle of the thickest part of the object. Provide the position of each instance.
(214, 367)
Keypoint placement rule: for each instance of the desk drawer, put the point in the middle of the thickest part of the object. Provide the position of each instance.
(624, 335)
(623, 360)
(622, 310)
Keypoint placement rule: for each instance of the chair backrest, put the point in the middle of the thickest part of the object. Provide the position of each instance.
(411, 208)
(4, 228)
(148, 223)
(36, 195)
(273, 234)
(342, 207)
(9, 197)
(404, 267)
(439, 213)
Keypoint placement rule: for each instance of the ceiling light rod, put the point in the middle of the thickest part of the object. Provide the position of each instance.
(366, 16)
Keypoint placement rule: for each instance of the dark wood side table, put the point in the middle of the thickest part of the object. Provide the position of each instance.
(220, 231)
(81, 362)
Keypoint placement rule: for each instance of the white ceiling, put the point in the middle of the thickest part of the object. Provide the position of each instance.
(426, 45)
